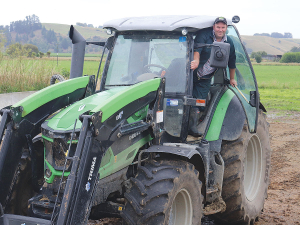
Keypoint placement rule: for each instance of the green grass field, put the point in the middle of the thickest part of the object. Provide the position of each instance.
(279, 86)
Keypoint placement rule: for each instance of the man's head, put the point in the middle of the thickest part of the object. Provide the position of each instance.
(220, 27)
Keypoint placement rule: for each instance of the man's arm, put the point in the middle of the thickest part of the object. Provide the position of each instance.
(232, 74)
(195, 62)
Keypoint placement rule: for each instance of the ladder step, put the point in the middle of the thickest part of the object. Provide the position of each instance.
(212, 190)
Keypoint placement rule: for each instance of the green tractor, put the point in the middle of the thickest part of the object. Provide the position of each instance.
(71, 152)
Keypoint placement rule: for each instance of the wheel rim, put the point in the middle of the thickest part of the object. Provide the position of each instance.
(253, 168)
(182, 210)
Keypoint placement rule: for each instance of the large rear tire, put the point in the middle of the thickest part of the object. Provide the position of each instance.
(246, 175)
(164, 192)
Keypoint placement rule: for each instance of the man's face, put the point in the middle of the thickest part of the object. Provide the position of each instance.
(220, 29)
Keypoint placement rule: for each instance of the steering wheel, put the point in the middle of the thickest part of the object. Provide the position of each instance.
(155, 65)
(149, 74)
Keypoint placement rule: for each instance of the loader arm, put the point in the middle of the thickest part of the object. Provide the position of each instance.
(25, 118)
(101, 127)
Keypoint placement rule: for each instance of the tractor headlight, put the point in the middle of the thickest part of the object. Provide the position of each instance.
(184, 32)
(109, 31)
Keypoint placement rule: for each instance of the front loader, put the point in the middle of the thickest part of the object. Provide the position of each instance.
(70, 152)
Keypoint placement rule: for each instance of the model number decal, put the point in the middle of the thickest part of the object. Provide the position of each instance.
(134, 135)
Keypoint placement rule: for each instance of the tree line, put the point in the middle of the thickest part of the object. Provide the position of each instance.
(87, 25)
(275, 35)
(24, 32)
(27, 26)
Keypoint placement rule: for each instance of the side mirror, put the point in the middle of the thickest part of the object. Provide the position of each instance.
(109, 42)
(219, 55)
(236, 19)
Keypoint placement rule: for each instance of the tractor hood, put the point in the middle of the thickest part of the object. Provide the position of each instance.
(108, 102)
(65, 119)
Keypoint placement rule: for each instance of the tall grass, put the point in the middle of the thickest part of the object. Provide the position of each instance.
(31, 74)
(22, 74)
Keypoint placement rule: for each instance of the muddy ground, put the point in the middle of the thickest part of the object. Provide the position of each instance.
(283, 203)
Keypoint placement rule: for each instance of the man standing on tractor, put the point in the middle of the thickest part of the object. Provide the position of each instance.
(203, 72)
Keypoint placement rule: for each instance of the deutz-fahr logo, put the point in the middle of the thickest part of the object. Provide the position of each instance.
(81, 107)
(119, 116)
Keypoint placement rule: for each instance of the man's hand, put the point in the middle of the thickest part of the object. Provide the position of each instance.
(194, 64)
(232, 74)
(233, 82)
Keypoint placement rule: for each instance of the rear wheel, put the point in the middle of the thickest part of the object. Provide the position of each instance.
(246, 175)
(164, 192)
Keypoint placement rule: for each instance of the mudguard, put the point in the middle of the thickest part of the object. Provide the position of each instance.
(227, 121)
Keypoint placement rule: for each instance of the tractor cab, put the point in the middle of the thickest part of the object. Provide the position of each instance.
(147, 48)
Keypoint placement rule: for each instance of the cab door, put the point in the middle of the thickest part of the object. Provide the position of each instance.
(246, 81)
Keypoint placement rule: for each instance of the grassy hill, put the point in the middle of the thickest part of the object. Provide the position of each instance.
(87, 32)
(273, 46)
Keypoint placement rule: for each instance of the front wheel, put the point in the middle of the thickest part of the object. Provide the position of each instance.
(246, 175)
(164, 192)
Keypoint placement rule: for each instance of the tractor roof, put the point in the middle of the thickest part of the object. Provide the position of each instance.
(162, 23)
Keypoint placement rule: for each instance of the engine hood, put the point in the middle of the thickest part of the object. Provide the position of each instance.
(65, 119)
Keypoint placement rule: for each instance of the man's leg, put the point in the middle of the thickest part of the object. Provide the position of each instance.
(201, 89)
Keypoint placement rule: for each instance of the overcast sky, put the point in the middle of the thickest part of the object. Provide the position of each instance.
(257, 16)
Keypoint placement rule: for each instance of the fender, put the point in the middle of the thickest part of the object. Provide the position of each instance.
(210, 171)
(227, 122)
(197, 155)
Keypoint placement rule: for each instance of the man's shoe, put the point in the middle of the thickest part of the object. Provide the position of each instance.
(193, 122)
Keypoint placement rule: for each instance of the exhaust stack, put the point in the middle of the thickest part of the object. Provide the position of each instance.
(78, 51)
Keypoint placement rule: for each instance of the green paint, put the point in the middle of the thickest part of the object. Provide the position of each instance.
(73, 142)
(65, 119)
(107, 158)
(126, 96)
(110, 163)
(47, 138)
(217, 120)
(54, 173)
(108, 102)
(50, 93)
(120, 161)
(139, 115)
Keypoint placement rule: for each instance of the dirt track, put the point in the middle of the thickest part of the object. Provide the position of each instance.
(283, 203)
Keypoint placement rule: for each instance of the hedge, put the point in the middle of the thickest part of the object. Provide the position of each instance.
(291, 57)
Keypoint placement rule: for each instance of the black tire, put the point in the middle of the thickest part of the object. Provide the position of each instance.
(246, 175)
(22, 190)
(164, 192)
(55, 77)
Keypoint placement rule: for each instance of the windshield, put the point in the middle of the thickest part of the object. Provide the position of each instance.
(141, 57)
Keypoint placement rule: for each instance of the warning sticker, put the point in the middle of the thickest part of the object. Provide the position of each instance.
(200, 102)
(159, 116)
(172, 102)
